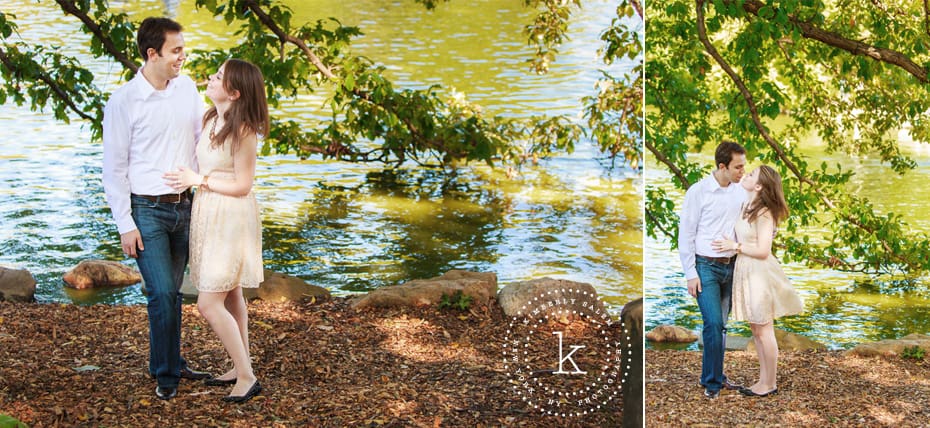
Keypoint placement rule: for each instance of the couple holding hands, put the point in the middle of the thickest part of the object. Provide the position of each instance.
(727, 224)
(153, 153)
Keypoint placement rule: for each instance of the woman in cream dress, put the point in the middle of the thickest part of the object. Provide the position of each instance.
(761, 291)
(225, 236)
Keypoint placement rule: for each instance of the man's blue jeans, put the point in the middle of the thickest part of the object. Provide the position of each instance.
(164, 228)
(714, 302)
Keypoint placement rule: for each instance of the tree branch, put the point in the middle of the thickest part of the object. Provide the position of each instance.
(927, 16)
(268, 22)
(72, 9)
(284, 37)
(655, 221)
(668, 162)
(60, 92)
(750, 101)
(854, 47)
(639, 8)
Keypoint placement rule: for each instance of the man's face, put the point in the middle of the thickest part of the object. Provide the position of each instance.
(167, 63)
(734, 171)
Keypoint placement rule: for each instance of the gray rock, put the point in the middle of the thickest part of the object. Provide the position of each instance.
(480, 286)
(519, 296)
(17, 285)
(733, 343)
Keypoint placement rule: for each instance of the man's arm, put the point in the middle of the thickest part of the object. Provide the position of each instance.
(687, 233)
(116, 138)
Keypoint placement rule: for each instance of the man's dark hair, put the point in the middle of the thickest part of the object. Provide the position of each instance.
(152, 34)
(725, 151)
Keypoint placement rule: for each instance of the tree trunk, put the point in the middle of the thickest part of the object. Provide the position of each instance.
(632, 317)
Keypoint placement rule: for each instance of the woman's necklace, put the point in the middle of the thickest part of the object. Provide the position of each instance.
(213, 129)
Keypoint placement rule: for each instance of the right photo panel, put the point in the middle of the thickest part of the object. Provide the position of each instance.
(787, 213)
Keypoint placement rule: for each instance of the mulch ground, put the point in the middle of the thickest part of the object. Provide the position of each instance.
(320, 365)
(822, 388)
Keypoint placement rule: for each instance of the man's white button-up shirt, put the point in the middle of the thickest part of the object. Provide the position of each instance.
(709, 212)
(147, 132)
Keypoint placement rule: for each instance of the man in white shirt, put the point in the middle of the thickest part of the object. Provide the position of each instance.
(709, 212)
(151, 126)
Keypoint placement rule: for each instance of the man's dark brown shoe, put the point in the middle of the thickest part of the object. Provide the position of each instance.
(187, 373)
(732, 386)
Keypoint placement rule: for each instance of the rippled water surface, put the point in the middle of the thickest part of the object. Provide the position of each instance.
(352, 227)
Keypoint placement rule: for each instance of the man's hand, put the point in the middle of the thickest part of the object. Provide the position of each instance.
(694, 286)
(130, 241)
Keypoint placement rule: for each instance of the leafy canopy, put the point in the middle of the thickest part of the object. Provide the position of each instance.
(850, 73)
(371, 119)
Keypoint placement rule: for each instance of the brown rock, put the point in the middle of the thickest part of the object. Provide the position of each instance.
(481, 286)
(671, 333)
(788, 341)
(891, 347)
(531, 297)
(279, 287)
(101, 273)
(17, 285)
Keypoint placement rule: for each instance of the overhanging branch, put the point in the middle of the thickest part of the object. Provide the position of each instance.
(59, 92)
(757, 122)
(72, 9)
(651, 216)
(668, 163)
(284, 37)
(854, 47)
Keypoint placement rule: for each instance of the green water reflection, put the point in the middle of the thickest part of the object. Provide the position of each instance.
(350, 227)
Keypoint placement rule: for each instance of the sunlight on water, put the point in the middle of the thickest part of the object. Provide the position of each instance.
(349, 227)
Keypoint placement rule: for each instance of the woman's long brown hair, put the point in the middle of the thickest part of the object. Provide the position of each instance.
(248, 113)
(770, 197)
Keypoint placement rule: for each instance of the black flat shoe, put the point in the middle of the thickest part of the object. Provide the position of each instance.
(187, 373)
(749, 393)
(219, 382)
(166, 393)
(253, 391)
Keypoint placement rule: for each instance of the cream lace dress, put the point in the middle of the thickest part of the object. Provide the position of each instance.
(761, 290)
(226, 233)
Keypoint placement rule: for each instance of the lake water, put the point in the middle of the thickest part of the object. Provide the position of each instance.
(841, 309)
(352, 227)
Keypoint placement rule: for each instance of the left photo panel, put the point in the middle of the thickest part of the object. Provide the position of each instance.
(321, 213)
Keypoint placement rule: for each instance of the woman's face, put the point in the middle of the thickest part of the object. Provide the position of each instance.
(750, 181)
(215, 90)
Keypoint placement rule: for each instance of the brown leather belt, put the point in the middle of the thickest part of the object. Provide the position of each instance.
(721, 260)
(171, 198)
